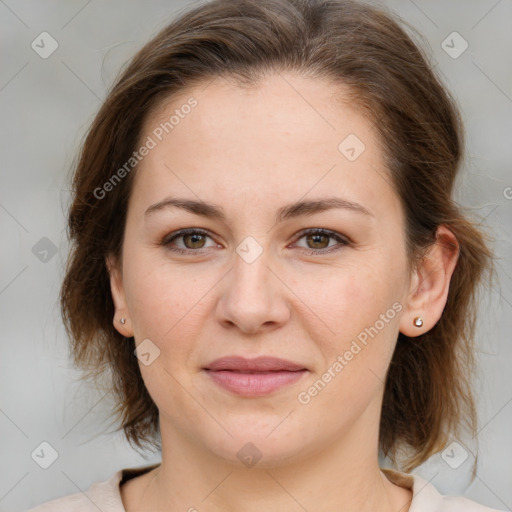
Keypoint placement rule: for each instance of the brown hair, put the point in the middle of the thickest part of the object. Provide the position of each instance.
(427, 392)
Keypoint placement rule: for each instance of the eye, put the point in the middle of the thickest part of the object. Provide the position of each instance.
(192, 240)
(317, 241)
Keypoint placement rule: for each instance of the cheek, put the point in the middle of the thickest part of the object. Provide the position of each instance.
(170, 306)
(363, 312)
(362, 308)
(352, 298)
(165, 304)
(162, 298)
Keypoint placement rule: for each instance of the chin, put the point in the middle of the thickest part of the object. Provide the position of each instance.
(255, 448)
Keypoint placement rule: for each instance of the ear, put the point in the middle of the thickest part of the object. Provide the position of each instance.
(430, 283)
(118, 296)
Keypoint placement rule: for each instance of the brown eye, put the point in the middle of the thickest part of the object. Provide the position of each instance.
(194, 241)
(187, 241)
(318, 241)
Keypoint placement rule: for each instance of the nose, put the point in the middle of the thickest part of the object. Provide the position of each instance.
(253, 297)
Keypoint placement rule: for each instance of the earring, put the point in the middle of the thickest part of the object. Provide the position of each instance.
(418, 322)
(123, 321)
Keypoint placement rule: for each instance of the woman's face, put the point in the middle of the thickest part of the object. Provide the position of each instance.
(255, 282)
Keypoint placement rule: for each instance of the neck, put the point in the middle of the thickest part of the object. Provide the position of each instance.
(344, 476)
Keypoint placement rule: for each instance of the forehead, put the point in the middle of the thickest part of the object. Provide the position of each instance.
(287, 134)
(287, 103)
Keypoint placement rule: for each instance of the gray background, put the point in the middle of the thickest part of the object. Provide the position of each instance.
(46, 106)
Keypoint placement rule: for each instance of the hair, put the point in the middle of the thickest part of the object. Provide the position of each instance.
(427, 395)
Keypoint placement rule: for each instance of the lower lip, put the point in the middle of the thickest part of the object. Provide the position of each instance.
(254, 384)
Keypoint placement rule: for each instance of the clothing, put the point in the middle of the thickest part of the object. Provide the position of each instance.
(106, 496)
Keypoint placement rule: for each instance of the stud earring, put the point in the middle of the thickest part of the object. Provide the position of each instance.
(418, 322)
(123, 321)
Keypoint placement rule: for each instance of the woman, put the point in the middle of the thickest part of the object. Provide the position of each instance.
(268, 259)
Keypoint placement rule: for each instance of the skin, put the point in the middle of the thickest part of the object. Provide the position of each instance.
(251, 152)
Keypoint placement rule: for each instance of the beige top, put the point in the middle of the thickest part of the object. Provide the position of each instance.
(106, 496)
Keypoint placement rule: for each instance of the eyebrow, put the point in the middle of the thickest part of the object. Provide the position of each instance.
(298, 209)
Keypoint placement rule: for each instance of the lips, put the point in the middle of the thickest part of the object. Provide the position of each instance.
(253, 377)
(259, 364)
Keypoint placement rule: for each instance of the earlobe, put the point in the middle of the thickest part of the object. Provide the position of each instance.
(430, 285)
(121, 320)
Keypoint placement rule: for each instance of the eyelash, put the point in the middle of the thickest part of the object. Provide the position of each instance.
(343, 241)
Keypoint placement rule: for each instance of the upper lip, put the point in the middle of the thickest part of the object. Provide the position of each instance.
(258, 364)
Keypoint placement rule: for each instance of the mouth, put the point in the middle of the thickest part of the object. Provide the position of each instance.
(254, 377)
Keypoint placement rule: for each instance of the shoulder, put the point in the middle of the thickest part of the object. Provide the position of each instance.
(72, 503)
(426, 498)
(104, 496)
(461, 504)
(100, 495)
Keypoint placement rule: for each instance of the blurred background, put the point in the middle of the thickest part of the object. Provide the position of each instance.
(58, 60)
